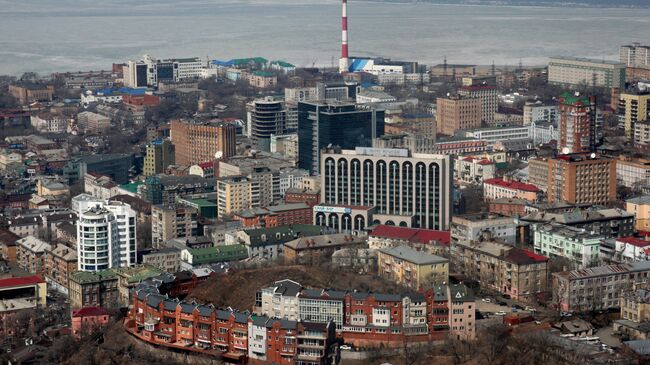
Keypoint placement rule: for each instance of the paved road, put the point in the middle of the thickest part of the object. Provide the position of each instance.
(606, 337)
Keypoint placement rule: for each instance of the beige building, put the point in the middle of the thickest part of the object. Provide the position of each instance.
(519, 273)
(633, 108)
(29, 93)
(30, 254)
(90, 122)
(640, 207)
(574, 71)
(635, 314)
(414, 269)
(454, 113)
(581, 179)
(642, 134)
(168, 222)
(635, 55)
(234, 194)
(632, 172)
(159, 155)
(489, 96)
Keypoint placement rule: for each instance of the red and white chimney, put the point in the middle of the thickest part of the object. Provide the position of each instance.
(344, 61)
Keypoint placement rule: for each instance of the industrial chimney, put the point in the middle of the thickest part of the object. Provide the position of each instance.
(344, 62)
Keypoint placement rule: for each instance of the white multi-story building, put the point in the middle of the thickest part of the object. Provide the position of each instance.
(106, 233)
(49, 123)
(632, 172)
(534, 112)
(499, 133)
(467, 228)
(635, 55)
(474, 170)
(583, 71)
(543, 132)
(291, 178)
(322, 306)
(280, 300)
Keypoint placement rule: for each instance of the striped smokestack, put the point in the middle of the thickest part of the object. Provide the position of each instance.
(344, 62)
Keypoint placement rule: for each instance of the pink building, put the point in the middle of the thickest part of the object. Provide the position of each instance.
(87, 319)
(505, 188)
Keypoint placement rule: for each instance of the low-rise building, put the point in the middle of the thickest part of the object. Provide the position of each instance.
(426, 240)
(597, 288)
(580, 247)
(604, 222)
(86, 321)
(471, 227)
(414, 269)
(268, 243)
(19, 294)
(60, 261)
(8, 245)
(624, 249)
(211, 255)
(311, 250)
(509, 270)
(635, 314)
(640, 208)
(505, 188)
(474, 170)
(93, 289)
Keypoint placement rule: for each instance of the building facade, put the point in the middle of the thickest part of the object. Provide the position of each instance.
(572, 71)
(581, 179)
(455, 113)
(196, 141)
(581, 248)
(412, 268)
(412, 190)
(158, 156)
(577, 125)
(632, 109)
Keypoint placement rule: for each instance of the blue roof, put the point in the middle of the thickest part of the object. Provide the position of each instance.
(358, 65)
(223, 63)
(121, 90)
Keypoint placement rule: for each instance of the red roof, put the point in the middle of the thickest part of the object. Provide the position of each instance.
(485, 162)
(634, 241)
(516, 185)
(206, 165)
(414, 235)
(524, 257)
(21, 281)
(89, 312)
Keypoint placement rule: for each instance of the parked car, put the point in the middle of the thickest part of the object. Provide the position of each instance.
(530, 309)
(345, 347)
(487, 300)
(500, 313)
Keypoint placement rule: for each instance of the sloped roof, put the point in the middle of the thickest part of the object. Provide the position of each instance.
(414, 235)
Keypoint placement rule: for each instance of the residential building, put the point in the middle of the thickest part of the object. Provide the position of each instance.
(580, 247)
(572, 71)
(632, 172)
(275, 216)
(597, 288)
(489, 96)
(501, 133)
(412, 268)
(19, 294)
(268, 243)
(8, 241)
(393, 181)
(642, 135)
(158, 156)
(309, 197)
(266, 117)
(106, 233)
(93, 123)
(315, 249)
(604, 222)
(633, 108)
(635, 314)
(205, 169)
(286, 144)
(198, 141)
(88, 320)
(471, 227)
(234, 194)
(30, 254)
(319, 126)
(168, 222)
(50, 123)
(195, 257)
(508, 207)
(262, 79)
(537, 111)
(640, 208)
(163, 189)
(417, 139)
(167, 259)
(542, 132)
(473, 170)
(461, 146)
(498, 188)
(280, 300)
(27, 93)
(577, 123)
(519, 273)
(425, 240)
(100, 186)
(24, 226)
(635, 55)
(581, 179)
(117, 166)
(456, 113)
(60, 261)
(624, 249)
(93, 289)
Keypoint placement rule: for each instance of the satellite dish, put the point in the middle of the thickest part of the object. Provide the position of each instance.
(218, 155)
(593, 155)
(565, 150)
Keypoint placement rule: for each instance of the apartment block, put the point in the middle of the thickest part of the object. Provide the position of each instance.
(635, 314)
(489, 96)
(581, 179)
(519, 273)
(456, 113)
(30, 254)
(198, 141)
(471, 227)
(93, 289)
(580, 247)
(572, 71)
(412, 268)
(474, 170)
(639, 207)
(604, 222)
(158, 156)
(597, 288)
(60, 262)
(633, 107)
(577, 125)
(169, 222)
(635, 55)
(498, 188)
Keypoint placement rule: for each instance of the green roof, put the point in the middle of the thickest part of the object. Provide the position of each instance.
(281, 235)
(131, 187)
(201, 203)
(263, 73)
(570, 99)
(136, 274)
(283, 64)
(208, 255)
(84, 277)
(243, 61)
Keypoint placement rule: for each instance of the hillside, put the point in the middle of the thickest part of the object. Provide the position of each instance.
(237, 288)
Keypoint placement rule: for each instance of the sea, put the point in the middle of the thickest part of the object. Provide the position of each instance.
(45, 36)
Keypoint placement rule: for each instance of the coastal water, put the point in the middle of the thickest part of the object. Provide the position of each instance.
(70, 35)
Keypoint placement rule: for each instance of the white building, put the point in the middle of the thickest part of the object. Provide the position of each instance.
(106, 233)
(257, 338)
(474, 170)
(632, 173)
(100, 96)
(321, 306)
(534, 112)
(280, 300)
(466, 228)
(291, 178)
(369, 96)
(49, 123)
(499, 133)
(543, 132)
(577, 245)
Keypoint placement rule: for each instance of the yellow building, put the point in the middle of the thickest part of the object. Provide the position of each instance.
(234, 194)
(412, 268)
(640, 207)
(634, 107)
(159, 155)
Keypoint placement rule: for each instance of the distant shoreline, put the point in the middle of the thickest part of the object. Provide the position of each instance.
(511, 3)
